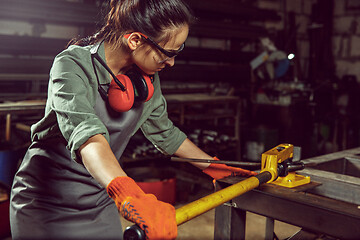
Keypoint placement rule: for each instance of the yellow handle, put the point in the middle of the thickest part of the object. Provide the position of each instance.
(198, 207)
(202, 205)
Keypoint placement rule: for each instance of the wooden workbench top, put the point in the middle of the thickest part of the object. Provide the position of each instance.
(22, 106)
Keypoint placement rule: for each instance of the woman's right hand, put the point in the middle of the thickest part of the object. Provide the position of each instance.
(156, 218)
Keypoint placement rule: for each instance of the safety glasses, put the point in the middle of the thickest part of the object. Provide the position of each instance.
(169, 54)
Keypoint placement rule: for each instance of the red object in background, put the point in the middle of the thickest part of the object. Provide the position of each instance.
(4, 219)
(164, 190)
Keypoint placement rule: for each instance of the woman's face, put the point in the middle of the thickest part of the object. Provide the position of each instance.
(150, 60)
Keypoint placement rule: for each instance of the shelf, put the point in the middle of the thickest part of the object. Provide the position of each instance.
(28, 45)
(54, 11)
(235, 10)
(184, 108)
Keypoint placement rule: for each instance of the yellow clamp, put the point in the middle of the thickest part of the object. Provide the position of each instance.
(270, 161)
(271, 158)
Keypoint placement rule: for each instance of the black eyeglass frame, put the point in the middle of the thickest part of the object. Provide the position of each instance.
(170, 54)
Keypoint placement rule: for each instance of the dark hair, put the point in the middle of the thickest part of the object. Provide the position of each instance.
(150, 17)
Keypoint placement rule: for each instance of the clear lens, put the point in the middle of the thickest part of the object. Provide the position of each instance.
(164, 60)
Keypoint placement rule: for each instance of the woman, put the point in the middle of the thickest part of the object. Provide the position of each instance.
(62, 188)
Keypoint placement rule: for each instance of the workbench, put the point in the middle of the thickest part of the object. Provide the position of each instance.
(34, 108)
(22, 107)
(301, 206)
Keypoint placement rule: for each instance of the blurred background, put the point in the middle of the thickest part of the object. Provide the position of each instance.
(253, 74)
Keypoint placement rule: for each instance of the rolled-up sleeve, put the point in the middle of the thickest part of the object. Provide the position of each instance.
(72, 100)
(160, 130)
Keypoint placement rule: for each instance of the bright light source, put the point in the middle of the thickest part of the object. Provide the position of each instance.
(291, 56)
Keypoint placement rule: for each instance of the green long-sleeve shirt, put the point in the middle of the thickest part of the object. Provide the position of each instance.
(72, 93)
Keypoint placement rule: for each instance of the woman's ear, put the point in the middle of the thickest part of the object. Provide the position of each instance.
(134, 40)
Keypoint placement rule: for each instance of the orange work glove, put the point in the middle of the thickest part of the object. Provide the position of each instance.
(156, 218)
(218, 171)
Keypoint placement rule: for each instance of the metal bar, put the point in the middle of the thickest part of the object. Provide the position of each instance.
(228, 218)
(269, 228)
(204, 204)
(232, 163)
(336, 186)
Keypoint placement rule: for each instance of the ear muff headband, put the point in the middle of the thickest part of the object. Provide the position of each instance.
(121, 92)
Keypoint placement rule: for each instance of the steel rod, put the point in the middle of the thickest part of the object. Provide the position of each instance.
(231, 163)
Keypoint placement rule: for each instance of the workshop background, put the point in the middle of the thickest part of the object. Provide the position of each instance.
(253, 74)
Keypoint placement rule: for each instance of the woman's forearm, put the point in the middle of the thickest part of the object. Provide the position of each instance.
(99, 160)
(101, 163)
(189, 150)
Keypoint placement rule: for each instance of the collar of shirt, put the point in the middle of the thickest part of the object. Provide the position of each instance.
(102, 73)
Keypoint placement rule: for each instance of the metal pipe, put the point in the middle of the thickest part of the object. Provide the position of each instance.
(230, 163)
(204, 204)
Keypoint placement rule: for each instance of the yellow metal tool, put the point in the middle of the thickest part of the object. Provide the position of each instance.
(275, 162)
(292, 180)
(278, 161)
(276, 155)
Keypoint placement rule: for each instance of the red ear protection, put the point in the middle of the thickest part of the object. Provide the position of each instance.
(139, 88)
(143, 86)
(150, 88)
(136, 86)
(121, 101)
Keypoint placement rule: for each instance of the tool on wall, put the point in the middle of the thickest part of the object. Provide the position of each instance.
(276, 167)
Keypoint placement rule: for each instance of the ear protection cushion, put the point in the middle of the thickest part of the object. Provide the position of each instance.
(143, 85)
(121, 101)
(150, 87)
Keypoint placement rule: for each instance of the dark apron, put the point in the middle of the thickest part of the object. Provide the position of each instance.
(54, 197)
